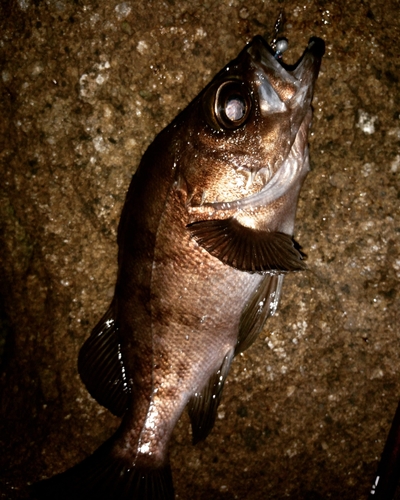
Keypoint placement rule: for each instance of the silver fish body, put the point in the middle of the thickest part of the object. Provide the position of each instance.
(205, 239)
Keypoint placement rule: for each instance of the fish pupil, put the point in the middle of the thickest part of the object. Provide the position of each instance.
(235, 108)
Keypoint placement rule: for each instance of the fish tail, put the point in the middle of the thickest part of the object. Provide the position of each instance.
(103, 476)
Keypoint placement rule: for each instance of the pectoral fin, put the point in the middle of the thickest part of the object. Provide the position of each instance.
(247, 249)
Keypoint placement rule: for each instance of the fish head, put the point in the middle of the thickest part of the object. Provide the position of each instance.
(244, 142)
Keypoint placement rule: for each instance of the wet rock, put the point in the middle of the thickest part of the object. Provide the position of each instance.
(84, 90)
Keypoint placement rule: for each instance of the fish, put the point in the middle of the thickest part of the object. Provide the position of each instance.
(205, 239)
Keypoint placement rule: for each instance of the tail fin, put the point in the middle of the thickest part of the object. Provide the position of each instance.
(103, 476)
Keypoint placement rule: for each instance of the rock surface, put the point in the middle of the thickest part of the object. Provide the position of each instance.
(85, 87)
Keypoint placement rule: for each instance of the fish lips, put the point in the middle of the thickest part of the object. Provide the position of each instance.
(311, 56)
(303, 72)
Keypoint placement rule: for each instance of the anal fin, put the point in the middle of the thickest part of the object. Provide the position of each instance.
(101, 366)
(203, 405)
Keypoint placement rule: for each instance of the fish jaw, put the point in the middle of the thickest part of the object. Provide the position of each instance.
(282, 87)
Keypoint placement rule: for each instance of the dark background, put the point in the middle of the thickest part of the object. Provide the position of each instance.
(85, 87)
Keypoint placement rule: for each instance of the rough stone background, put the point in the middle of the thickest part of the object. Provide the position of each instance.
(85, 87)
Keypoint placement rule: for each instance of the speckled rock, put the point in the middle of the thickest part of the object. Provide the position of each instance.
(85, 87)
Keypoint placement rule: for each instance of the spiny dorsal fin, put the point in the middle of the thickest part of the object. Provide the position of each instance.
(262, 303)
(203, 405)
(101, 367)
(245, 248)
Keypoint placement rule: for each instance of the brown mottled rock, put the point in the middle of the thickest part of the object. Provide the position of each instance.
(85, 87)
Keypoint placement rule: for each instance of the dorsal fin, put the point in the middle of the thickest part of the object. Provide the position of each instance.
(262, 303)
(101, 366)
(203, 405)
(247, 249)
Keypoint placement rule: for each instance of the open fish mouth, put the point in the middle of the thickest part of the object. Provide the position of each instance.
(285, 87)
(280, 88)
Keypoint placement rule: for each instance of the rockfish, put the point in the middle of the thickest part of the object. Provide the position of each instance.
(205, 239)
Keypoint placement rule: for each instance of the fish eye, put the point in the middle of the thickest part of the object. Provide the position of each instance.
(232, 104)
